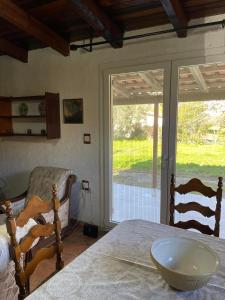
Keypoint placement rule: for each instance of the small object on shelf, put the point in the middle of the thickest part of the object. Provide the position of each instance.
(4, 132)
(43, 132)
(42, 109)
(29, 131)
(23, 113)
(23, 109)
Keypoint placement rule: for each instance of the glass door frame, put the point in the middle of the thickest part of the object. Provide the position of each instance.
(174, 105)
(107, 137)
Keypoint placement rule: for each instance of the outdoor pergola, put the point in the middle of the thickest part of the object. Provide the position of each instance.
(196, 83)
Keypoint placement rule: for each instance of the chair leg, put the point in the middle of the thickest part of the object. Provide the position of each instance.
(28, 286)
(28, 258)
(23, 292)
(59, 262)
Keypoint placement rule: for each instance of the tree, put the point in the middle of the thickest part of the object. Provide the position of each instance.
(200, 121)
(129, 121)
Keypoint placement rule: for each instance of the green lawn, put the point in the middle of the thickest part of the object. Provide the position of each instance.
(194, 160)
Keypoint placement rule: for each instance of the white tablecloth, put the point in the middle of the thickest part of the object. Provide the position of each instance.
(119, 267)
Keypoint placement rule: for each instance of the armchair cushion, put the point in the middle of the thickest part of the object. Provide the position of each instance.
(40, 184)
(42, 179)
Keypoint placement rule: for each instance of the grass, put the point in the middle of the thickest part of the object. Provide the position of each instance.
(195, 160)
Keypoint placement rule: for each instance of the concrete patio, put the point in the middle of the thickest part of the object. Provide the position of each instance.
(135, 202)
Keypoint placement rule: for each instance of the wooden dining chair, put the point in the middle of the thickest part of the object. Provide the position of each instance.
(19, 250)
(195, 185)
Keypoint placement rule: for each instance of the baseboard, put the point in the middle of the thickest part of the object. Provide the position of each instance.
(66, 231)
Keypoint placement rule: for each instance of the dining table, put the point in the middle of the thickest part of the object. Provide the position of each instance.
(119, 266)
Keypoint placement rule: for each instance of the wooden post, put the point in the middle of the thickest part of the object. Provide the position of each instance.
(155, 145)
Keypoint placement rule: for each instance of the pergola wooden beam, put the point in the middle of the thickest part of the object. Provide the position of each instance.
(13, 50)
(99, 21)
(198, 77)
(150, 80)
(176, 15)
(119, 91)
(25, 22)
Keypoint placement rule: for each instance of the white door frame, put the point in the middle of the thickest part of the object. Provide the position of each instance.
(107, 130)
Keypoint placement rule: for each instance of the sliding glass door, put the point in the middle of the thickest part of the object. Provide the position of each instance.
(138, 143)
(199, 133)
(162, 119)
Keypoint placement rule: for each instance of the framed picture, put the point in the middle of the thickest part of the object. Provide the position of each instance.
(73, 111)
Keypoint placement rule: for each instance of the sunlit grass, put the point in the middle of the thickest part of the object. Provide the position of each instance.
(196, 160)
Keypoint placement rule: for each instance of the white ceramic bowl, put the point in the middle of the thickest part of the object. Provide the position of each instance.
(185, 264)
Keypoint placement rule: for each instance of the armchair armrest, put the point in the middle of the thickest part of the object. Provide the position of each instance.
(70, 181)
(2, 209)
(13, 200)
(18, 198)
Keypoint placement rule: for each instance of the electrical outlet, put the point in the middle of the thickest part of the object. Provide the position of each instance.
(87, 138)
(85, 185)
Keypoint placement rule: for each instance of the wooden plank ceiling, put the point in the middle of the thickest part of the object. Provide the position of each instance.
(33, 24)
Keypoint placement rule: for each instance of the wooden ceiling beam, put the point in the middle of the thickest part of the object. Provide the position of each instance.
(176, 15)
(99, 21)
(25, 22)
(13, 50)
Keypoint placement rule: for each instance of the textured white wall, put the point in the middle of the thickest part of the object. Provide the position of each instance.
(77, 76)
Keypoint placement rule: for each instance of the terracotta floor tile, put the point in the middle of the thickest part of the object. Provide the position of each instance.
(74, 245)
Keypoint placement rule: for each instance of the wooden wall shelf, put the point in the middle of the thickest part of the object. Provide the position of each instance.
(24, 134)
(24, 117)
(35, 123)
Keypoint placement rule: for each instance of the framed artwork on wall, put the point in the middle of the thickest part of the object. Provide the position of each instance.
(73, 111)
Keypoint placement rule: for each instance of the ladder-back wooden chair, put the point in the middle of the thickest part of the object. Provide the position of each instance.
(19, 250)
(195, 185)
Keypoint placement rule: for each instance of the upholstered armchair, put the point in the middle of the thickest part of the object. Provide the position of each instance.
(40, 184)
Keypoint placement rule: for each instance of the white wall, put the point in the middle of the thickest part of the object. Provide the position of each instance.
(78, 76)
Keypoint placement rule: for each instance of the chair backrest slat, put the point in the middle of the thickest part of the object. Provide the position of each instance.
(195, 185)
(193, 224)
(204, 210)
(41, 254)
(34, 208)
(35, 232)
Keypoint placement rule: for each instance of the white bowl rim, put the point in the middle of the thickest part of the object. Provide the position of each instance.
(190, 239)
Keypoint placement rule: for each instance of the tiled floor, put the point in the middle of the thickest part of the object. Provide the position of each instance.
(74, 245)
